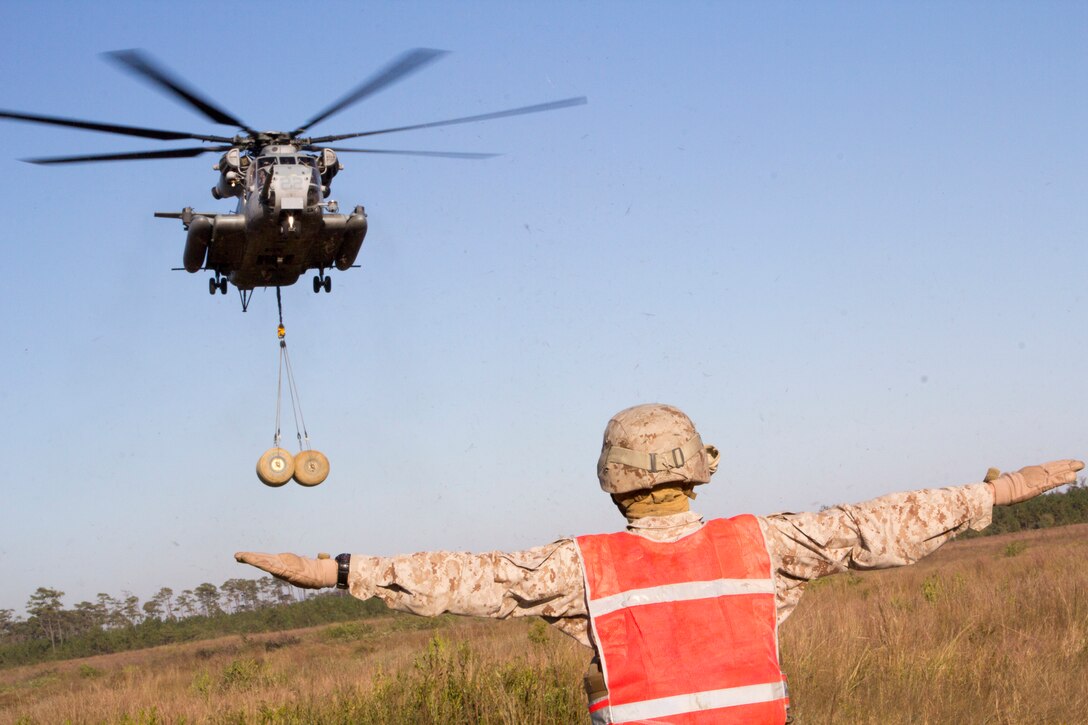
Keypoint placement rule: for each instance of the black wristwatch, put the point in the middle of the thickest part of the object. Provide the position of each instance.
(343, 565)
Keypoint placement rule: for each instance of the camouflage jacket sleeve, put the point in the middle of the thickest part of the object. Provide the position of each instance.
(892, 530)
(545, 581)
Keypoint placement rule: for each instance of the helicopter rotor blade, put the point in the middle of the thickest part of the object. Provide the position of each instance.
(400, 152)
(538, 108)
(112, 128)
(402, 66)
(141, 64)
(131, 156)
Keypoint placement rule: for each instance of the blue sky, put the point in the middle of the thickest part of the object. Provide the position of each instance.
(846, 238)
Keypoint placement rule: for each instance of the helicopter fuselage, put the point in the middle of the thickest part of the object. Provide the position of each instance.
(281, 226)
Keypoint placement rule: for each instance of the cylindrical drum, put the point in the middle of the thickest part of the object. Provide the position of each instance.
(275, 467)
(311, 468)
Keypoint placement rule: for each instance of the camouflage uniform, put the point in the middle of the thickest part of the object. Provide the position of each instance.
(546, 581)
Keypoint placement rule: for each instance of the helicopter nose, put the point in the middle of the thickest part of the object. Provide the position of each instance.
(290, 185)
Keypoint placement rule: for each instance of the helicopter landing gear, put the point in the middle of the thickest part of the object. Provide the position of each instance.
(217, 284)
(322, 282)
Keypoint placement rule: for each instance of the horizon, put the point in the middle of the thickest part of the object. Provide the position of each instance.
(837, 237)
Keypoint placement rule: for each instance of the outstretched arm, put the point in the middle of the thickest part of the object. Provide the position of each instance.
(892, 530)
(544, 581)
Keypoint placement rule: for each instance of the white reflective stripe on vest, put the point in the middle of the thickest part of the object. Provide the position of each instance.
(684, 591)
(695, 702)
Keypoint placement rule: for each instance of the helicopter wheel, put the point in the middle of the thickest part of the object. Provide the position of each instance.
(317, 284)
(222, 285)
(327, 284)
(213, 286)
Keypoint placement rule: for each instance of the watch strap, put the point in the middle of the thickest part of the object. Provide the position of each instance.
(343, 566)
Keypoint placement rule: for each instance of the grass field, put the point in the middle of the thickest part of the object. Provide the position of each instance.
(991, 630)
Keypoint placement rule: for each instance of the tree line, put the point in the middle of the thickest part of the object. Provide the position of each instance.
(108, 624)
(48, 619)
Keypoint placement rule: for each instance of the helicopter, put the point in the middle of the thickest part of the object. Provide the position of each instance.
(284, 223)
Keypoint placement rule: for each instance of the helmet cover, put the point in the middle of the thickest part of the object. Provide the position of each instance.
(652, 444)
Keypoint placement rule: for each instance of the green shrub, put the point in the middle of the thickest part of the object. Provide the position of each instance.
(241, 674)
(202, 684)
(88, 672)
(538, 632)
(1015, 548)
(346, 632)
(932, 589)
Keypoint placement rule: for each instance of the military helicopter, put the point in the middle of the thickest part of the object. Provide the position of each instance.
(283, 224)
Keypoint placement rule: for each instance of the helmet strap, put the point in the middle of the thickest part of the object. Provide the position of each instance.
(653, 462)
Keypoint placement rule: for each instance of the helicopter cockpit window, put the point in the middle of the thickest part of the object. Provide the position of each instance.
(288, 160)
(265, 161)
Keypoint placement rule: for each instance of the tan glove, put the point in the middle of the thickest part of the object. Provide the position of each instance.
(293, 569)
(1029, 482)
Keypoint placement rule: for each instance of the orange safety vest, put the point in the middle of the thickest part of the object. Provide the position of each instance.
(686, 630)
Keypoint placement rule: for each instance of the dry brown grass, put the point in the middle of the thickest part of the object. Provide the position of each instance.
(991, 630)
(397, 669)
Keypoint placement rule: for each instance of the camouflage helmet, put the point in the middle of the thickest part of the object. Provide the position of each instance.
(651, 444)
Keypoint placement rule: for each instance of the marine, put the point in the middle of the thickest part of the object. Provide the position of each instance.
(681, 614)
